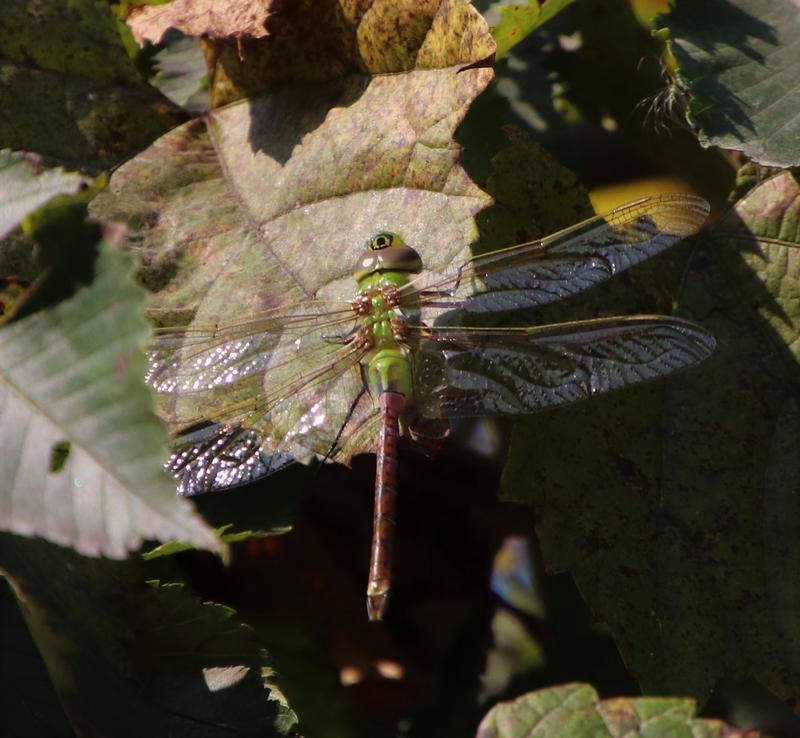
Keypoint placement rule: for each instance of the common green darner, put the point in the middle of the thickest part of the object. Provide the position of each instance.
(309, 379)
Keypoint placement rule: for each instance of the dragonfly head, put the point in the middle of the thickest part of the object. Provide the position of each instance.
(387, 252)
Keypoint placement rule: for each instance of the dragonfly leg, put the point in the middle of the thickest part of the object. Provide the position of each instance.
(340, 338)
(362, 303)
(399, 328)
(383, 525)
(334, 447)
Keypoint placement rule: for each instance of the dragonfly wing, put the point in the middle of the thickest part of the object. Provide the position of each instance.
(561, 265)
(221, 457)
(266, 390)
(295, 421)
(202, 358)
(514, 371)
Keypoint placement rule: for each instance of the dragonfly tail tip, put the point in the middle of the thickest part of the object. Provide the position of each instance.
(376, 606)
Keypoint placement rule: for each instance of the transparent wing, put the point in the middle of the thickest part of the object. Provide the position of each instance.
(296, 420)
(266, 390)
(567, 262)
(221, 457)
(201, 358)
(495, 371)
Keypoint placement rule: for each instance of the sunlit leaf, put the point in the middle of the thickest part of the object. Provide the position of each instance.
(232, 19)
(270, 200)
(71, 378)
(23, 187)
(739, 60)
(512, 21)
(575, 711)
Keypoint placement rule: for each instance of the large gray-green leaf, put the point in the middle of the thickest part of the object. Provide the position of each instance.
(82, 451)
(131, 658)
(69, 90)
(675, 506)
(740, 62)
(23, 188)
(270, 200)
(576, 711)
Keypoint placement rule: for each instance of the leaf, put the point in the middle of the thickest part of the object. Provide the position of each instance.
(679, 519)
(71, 381)
(28, 702)
(739, 60)
(270, 200)
(534, 195)
(327, 40)
(237, 19)
(133, 658)
(512, 22)
(575, 711)
(610, 72)
(182, 74)
(24, 187)
(68, 89)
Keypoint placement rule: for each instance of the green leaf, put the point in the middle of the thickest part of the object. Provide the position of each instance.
(513, 21)
(674, 506)
(740, 61)
(74, 375)
(132, 658)
(270, 200)
(575, 711)
(69, 90)
(24, 188)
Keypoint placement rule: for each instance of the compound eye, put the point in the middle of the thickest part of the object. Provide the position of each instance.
(381, 241)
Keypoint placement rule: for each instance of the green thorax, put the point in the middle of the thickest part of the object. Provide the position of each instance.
(386, 266)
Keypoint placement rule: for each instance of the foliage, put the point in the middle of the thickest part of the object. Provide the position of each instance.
(81, 437)
(512, 21)
(575, 710)
(738, 63)
(118, 645)
(672, 507)
(665, 495)
(69, 89)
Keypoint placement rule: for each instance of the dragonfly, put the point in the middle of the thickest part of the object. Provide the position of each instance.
(404, 355)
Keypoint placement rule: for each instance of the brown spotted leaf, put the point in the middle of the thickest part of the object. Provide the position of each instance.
(270, 200)
(231, 19)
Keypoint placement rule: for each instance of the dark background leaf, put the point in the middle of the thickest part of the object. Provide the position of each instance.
(69, 90)
(679, 484)
(132, 658)
(739, 61)
(28, 702)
